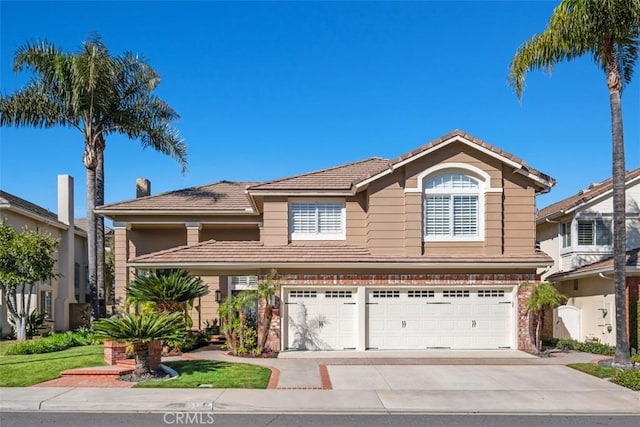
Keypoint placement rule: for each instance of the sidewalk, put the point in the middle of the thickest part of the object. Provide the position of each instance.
(421, 382)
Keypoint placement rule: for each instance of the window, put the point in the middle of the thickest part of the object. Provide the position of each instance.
(46, 303)
(451, 207)
(566, 234)
(594, 232)
(317, 221)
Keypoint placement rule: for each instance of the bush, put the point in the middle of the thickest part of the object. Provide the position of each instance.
(191, 341)
(54, 342)
(629, 379)
(587, 347)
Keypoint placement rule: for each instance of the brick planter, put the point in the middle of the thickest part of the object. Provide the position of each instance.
(114, 352)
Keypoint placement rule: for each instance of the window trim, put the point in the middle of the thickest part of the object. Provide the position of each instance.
(483, 180)
(342, 235)
(594, 221)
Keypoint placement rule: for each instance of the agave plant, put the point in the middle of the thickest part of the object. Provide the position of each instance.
(169, 293)
(141, 329)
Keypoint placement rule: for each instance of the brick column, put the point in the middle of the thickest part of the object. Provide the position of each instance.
(114, 352)
(525, 337)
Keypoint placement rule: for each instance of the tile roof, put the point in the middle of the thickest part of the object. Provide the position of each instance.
(583, 196)
(335, 178)
(81, 223)
(605, 264)
(239, 252)
(345, 176)
(8, 199)
(219, 196)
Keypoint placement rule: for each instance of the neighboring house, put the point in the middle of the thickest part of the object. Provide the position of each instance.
(429, 250)
(578, 233)
(55, 296)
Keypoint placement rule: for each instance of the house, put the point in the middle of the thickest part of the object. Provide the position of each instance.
(578, 233)
(428, 250)
(58, 297)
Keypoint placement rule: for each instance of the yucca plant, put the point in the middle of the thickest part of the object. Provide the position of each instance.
(141, 329)
(169, 293)
(267, 290)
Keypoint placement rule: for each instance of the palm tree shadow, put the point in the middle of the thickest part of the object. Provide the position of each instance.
(307, 331)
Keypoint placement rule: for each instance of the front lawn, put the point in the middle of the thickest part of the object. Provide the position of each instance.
(209, 373)
(599, 371)
(30, 369)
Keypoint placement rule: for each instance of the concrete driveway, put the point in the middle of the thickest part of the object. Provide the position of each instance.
(478, 388)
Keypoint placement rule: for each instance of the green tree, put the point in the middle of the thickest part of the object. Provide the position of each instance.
(173, 292)
(25, 259)
(141, 329)
(233, 312)
(267, 290)
(543, 296)
(97, 94)
(608, 31)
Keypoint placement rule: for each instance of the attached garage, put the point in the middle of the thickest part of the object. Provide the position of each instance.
(439, 318)
(321, 319)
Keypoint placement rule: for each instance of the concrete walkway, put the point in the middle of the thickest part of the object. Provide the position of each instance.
(503, 381)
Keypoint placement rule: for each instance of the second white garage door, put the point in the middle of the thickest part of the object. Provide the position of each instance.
(321, 319)
(439, 318)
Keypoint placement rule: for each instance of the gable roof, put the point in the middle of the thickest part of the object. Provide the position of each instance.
(219, 197)
(350, 177)
(603, 266)
(582, 197)
(18, 204)
(337, 178)
(8, 200)
(254, 254)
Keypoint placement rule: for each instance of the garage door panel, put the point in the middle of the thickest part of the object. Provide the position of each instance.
(433, 318)
(320, 320)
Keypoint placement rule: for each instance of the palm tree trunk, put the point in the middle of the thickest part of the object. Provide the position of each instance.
(91, 238)
(100, 283)
(265, 326)
(622, 357)
(143, 365)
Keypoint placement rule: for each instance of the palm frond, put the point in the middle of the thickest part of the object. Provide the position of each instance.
(167, 291)
(142, 328)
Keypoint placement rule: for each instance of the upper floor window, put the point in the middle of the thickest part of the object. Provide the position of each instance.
(566, 234)
(452, 207)
(594, 232)
(317, 220)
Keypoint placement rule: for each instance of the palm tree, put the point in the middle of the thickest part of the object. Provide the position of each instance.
(97, 94)
(267, 289)
(542, 296)
(234, 317)
(173, 292)
(609, 32)
(141, 329)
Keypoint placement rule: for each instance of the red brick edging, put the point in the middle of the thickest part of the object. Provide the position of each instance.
(324, 378)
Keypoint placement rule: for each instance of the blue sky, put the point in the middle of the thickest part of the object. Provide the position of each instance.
(273, 89)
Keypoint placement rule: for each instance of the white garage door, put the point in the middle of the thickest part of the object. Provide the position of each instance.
(439, 318)
(321, 319)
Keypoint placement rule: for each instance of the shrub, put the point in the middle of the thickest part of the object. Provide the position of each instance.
(54, 342)
(629, 379)
(191, 341)
(587, 347)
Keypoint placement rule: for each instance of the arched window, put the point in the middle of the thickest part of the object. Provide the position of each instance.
(451, 207)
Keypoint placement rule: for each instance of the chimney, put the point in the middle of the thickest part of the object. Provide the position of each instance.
(143, 187)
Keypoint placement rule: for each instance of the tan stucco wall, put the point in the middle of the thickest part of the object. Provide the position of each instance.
(593, 295)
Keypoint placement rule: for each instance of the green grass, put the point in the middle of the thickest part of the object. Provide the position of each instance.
(217, 374)
(594, 369)
(27, 370)
(4, 346)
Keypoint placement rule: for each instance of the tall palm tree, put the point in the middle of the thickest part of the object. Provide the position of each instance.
(608, 30)
(97, 94)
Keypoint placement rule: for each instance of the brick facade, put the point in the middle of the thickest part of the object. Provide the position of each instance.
(115, 352)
